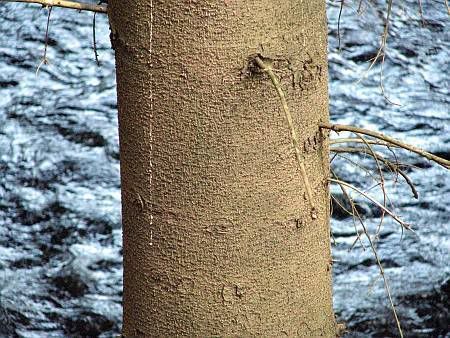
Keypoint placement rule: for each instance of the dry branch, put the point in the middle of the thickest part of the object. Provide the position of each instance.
(394, 167)
(374, 201)
(276, 83)
(340, 127)
(357, 140)
(342, 185)
(380, 172)
(339, 24)
(81, 6)
(354, 163)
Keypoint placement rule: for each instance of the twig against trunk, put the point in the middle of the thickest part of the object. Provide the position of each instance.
(81, 6)
(340, 127)
(276, 83)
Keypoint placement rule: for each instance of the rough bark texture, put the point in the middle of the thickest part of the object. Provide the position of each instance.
(217, 233)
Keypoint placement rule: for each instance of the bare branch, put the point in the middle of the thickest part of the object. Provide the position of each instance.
(356, 140)
(394, 167)
(351, 213)
(380, 172)
(81, 6)
(354, 163)
(373, 200)
(340, 127)
(374, 251)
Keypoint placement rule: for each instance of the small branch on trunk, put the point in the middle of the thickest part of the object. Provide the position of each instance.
(81, 6)
(276, 83)
(340, 127)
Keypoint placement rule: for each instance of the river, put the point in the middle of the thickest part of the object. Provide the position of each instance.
(60, 233)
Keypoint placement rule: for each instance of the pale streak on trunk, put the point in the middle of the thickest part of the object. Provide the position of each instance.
(218, 236)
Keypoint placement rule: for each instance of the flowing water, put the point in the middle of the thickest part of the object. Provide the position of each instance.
(60, 233)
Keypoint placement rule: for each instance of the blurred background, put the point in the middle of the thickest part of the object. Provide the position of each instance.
(60, 230)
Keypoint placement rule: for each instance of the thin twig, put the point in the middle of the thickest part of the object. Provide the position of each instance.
(378, 55)
(330, 196)
(354, 163)
(380, 173)
(394, 167)
(276, 83)
(94, 41)
(447, 6)
(339, 24)
(397, 163)
(340, 127)
(341, 205)
(356, 140)
(377, 258)
(358, 235)
(358, 238)
(356, 215)
(377, 158)
(373, 142)
(368, 150)
(421, 13)
(373, 200)
(81, 6)
(381, 54)
(372, 187)
(382, 48)
(386, 97)
(383, 57)
(44, 60)
(352, 214)
(359, 7)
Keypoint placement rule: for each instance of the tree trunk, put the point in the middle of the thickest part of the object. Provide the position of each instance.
(218, 238)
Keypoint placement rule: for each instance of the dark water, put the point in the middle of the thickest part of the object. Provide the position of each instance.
(60, 236)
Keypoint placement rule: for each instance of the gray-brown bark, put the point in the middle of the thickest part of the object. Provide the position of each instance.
(218, 234)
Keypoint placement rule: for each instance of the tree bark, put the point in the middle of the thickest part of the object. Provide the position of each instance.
(218, 238)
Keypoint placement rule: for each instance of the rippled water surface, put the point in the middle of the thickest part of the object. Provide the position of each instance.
(60, 236)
